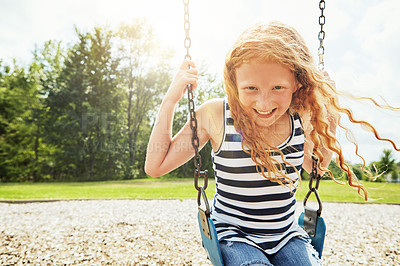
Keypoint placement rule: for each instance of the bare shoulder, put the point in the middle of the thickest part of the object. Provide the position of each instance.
(213, 107)
(212, 111)
(211, 114)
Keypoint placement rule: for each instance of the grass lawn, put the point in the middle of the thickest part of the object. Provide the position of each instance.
(158, 188)
(377, 192)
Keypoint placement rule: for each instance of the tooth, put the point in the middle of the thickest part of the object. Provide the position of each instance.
(264, 113)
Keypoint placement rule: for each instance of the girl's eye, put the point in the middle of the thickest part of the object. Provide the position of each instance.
(277, 87)
(252, 88)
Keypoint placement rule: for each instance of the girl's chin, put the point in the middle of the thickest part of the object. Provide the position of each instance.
(265, 122)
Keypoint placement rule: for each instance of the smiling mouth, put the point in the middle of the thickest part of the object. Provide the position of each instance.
(265, 114)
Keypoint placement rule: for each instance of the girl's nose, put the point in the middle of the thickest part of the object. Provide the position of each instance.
(264, 101)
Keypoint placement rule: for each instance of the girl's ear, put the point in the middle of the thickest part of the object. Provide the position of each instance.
(297, 86)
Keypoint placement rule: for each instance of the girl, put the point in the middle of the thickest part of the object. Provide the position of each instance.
(280, 109)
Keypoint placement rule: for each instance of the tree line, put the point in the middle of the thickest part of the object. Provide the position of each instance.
(85, 112)
(384, 170)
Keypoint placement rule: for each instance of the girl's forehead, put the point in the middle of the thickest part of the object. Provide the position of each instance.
(266, 68)
(264, 74)
(260, 60)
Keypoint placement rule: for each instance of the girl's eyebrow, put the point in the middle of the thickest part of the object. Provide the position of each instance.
(248, 83)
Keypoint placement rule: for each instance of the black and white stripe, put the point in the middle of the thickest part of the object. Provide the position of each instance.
(248, 207)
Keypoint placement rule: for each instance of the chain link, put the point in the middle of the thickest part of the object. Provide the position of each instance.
(192, 114)
(187, 41)
(321, 36)
(314, 176)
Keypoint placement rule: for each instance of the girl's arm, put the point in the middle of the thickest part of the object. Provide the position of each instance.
(164, 152)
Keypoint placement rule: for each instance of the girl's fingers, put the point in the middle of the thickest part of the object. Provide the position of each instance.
(194, 83)
(187, 75)
(190, 74)
(192, 71)
(186, 64)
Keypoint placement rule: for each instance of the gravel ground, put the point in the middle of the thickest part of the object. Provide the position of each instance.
(164, 232)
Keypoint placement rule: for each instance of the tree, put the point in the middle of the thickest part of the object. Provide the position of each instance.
(85, 108)
(20, 103)
(45, 71)
(103, 104)
(144, 75)
(385, 167)
(86, 112)
(67, 104)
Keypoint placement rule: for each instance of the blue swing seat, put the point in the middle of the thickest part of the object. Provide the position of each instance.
(210, 240)
(310, 220)
(211, 244)
(208, 232)
(315, 228)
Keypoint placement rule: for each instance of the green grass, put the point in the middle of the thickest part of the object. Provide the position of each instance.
(377, 192)
(136, 189)
(156, 188)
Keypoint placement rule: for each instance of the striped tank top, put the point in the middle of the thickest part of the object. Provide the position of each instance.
(247, 207)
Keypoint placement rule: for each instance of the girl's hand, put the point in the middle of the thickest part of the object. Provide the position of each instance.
(187, 74)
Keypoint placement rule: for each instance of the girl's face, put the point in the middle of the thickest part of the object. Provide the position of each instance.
(265, 91)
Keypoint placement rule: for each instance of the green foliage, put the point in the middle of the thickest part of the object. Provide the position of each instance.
(386, 168)
(84, 112)
(20, 119)
(341, 175)
(143, 78)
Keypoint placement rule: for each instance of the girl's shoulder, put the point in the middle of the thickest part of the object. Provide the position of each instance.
(211, 115)
(213, 107)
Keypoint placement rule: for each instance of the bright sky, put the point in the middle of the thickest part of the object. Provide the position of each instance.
(361, 42)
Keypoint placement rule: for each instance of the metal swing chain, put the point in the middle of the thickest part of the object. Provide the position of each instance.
(193, 119)
(188, 41)
(311, 215)
(321, 36)
(314, 176)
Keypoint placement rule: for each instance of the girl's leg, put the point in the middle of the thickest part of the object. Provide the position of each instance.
(298, 251)
(242, 254)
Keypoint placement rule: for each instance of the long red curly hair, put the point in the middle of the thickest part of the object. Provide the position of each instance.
(316, 101)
